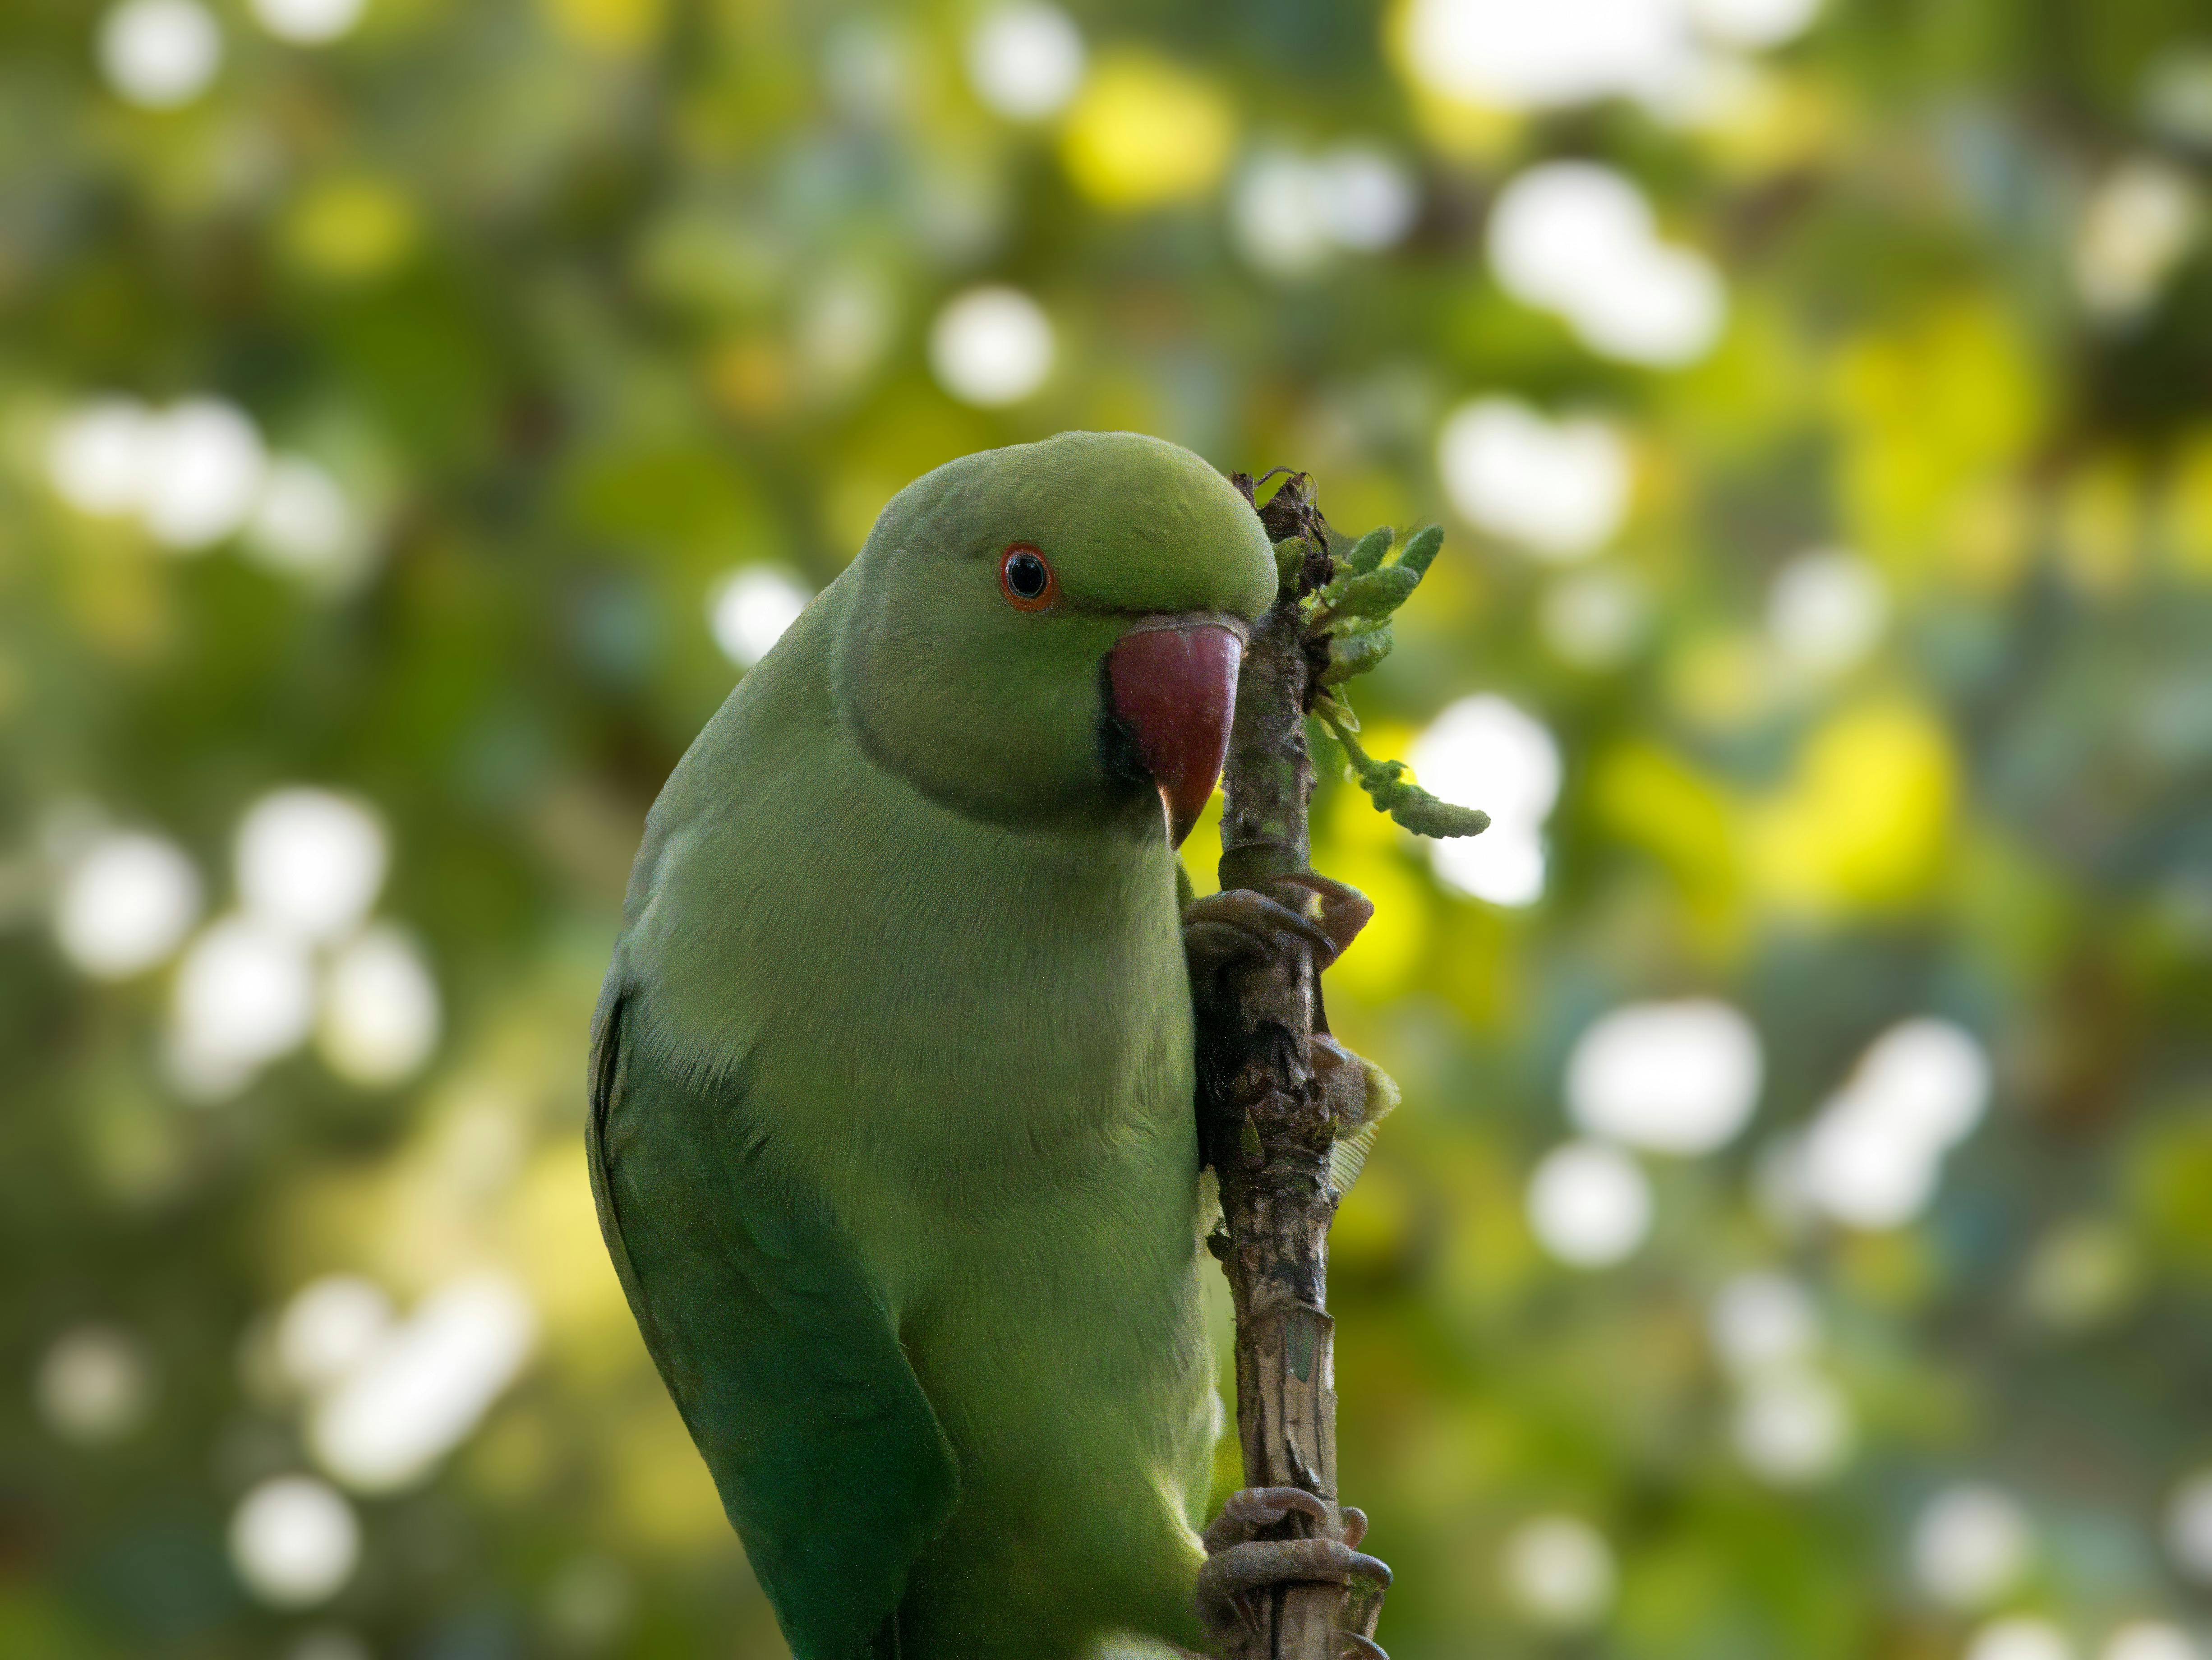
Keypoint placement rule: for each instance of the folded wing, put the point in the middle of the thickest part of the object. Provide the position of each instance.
(779, 1354)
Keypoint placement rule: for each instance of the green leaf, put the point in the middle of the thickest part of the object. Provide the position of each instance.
(1421, 551)
(1374, 594)
(1354, 652)
(1426, 815)
(1387, 785)
(1367, 552)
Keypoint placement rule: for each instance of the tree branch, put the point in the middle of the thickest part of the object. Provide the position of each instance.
(1270, 1122)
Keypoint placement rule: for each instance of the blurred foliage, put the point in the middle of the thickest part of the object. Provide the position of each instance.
(583, 304)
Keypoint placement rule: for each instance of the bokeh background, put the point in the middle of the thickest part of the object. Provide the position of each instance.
(415, 414)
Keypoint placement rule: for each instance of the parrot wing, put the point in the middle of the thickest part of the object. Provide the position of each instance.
(780, 1356)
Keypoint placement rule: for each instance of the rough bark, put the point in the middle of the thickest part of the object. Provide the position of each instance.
(1269, 1120)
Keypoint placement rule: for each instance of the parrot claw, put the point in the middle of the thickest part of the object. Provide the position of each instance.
(1344, 910)
(1246, 1510)
(1241, 922)
(1238, 1564)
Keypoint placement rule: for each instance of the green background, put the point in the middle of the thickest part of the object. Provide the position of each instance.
(586, 303)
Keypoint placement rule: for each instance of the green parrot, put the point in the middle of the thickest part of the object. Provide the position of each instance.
(892, 1131)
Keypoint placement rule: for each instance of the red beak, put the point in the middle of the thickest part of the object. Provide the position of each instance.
(1174, 689)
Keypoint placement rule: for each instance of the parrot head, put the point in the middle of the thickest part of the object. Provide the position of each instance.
(1049, 633)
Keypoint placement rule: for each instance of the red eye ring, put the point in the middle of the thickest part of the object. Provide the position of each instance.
(1025, 577)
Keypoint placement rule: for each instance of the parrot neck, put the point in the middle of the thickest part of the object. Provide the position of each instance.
(983, 1009)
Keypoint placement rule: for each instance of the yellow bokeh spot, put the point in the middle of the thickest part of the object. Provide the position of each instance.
(618, 27)
(2100, 525)
(663, 1497)
(515, 1457)
(1349, 819)
(1775, 122)
(1865, 822)
(1362, 497)
(1200, 851)
(1891, 1268)
(352, 229)
(1988, 535)
(1392, 945)
(1650, 797)
(750, 377)
(1376, 1221)
(1928, 412)
(1719, 680)
(1145, 131)
(1465, 131)
(1352, 821)
(552, 1238)
(2188, 508)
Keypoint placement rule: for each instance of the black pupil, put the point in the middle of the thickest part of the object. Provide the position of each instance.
(1026, 575)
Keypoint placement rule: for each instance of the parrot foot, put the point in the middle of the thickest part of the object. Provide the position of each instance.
(1243, 922)
(1239, 1565)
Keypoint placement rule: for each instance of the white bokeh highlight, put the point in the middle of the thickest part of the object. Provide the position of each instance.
(1558, 489)
(2135, 228)
(1288, 213)
(749, 610)
(329, 1327)
(302, 524)
(245, 995)
(125, 903)
(1025, 61)
(96, 455)
(1518, 57)
(1559, 1573)
(202, 474)
(2188, 1527)
(2150, 1639)
(1589, 1204)
(991, 346)
(1874, 1153)
(1754, 25)
(1369, 198)
(1486, 753)
(1969, 1544)
(1676, 1077)
(425, 1385)
(2019, 1636)
(1761, 1321)
(1791, 1427)
(846, 321)
(1579, 239)
(294, 1541)
(309, 862)
(158, 54)
(380, 1014)
(308, 22)
(197, 473)
(93, 1385)
(1825, 609)
(1593, 619)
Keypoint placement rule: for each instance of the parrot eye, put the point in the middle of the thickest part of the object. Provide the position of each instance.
(1027, 579)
